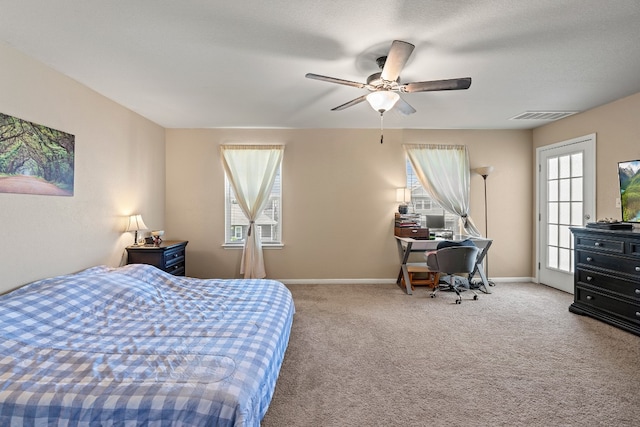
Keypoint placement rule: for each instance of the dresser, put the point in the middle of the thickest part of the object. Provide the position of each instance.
(607, 276)
(170, 256)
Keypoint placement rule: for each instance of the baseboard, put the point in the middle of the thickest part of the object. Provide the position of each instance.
(337, 281)
(383, 281)
(512, 279)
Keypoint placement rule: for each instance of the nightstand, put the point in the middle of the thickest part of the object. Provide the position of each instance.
(170, 256)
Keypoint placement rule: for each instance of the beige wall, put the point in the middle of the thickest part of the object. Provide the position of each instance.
(339, 199)
(338, 192)
(119, 169)
(617, 129)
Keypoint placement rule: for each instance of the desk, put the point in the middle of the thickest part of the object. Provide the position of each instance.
(406, 245)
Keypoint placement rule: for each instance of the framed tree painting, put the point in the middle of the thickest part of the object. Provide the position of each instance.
(35, 159)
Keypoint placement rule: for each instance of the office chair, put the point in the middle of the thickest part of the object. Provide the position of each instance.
(451, 260)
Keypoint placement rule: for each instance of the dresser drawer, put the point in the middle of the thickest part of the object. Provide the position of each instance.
(177, 269)
(169, 256)
(607, 303)
(634, 248)
(174, 261)
(627, 266)
(601, 244)
(174, 256)
(608, 283)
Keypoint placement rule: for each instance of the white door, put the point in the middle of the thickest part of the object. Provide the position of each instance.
(566, 198)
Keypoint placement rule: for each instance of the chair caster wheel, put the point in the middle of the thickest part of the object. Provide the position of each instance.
(475, 297)
(433, 295)
(458, 301)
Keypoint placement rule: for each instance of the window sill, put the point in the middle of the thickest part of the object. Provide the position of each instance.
(264, 246)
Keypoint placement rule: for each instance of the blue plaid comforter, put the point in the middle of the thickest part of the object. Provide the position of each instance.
(134, 346)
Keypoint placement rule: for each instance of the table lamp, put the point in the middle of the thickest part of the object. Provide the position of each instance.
(136, 223)
(403, 196)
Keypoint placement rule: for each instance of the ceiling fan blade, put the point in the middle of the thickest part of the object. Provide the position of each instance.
(350, 103)
(404, 107)
(396, 59)
(334, 80)
(450, 84)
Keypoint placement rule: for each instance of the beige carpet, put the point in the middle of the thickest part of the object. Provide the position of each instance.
(370, 355)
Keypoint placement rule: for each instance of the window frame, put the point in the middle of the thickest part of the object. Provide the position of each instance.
(231, 238)
(414, 185)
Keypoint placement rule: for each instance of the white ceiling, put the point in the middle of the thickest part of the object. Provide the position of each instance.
(241, 63)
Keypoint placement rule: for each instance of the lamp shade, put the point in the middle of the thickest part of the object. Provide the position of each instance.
(136, 223)
(403, 195)
(484, 170)
(382, 100)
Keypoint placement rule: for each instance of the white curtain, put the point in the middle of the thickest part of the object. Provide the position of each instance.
(443, 171)
(251, 171)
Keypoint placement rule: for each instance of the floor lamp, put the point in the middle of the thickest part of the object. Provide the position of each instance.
(484, 172)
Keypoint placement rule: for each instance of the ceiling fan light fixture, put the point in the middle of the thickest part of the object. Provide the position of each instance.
(383, 86)
(382, 100)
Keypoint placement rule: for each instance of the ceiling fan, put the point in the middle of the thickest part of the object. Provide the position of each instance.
(385, 85)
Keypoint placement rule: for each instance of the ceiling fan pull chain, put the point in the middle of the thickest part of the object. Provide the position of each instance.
(381, 134)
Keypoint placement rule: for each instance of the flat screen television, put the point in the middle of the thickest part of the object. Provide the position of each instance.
(629, 177)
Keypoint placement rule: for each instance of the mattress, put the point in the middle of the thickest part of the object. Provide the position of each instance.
(137, 346)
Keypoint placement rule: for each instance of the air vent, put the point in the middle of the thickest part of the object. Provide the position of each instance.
(543, 115)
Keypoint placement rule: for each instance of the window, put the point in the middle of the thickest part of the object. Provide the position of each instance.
(422, 203)
(237, 232)
(268, 223)
(564, 208)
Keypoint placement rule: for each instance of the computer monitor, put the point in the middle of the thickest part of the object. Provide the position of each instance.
(435, 222)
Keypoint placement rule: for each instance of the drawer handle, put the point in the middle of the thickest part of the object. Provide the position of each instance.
(597, 243)
(589, 259)
(637, 313)
(589, 278)
(637, 268)
(589, 297)
(637, 291)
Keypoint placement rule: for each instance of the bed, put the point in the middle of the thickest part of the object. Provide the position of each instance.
(134, 345)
